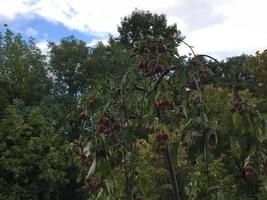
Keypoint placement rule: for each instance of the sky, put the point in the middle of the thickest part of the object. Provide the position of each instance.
(220, 28)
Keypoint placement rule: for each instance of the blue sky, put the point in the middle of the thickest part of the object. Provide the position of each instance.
(43, 30)
(220, 28)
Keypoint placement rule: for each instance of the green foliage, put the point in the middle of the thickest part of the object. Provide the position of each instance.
(143, 24)
(35, 162)
(23, 72)
(69, 64)
(144, 123)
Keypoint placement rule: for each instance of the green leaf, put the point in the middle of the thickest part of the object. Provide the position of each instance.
(108, 186)
(245, 124)
(184, 110)
(99, 194)
(237, 120)
(79, 178)
(86, 149)
(105, 167)
(235, 147)
(92, 169)
(264, 183)
(174, 153)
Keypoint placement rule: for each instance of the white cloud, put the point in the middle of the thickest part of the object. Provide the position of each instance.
(11, 8)
(242, 30)
(95, 41)
(43, 46)
(212, 26)
(31, 32)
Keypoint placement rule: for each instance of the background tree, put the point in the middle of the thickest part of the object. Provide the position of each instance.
(34, 162)
(34, 157)
(69, 64)
(23, 72)
(143, 24)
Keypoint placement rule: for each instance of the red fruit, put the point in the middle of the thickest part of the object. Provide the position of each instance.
(106, 122)
(160, 149)
(151, 72)
(145, 50)
(185, 143)
(97, 185)
(212, 140)
(90, 104)
(136, 49)
(232, 109)
(162, 105)
(143, 65)
(138, 198)
(179, 114)
(83, 116)
(237, 103)
(160, 137)
(203, 76)
(132, 115)
(82, 156)
(193, 62)
(166, 103)
(242, 112)
(77, 142)
(84, 188)
(152, 48)
(263, 162)
(102, 129)
(100, 153)
(188, 167)
(149, 129)
(89, 180)
(118, 125)
(163, 49)
(159, 69)
(249, 174)
(247, 168)
(203, 70)
(113, 137)
(142, 50)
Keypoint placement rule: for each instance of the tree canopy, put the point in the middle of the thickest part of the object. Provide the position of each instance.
(131, 119)
(143, 24)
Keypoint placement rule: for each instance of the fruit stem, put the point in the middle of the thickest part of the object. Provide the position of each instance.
(172, 175)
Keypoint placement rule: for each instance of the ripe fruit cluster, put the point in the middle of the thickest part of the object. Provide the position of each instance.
(90, 183)
(161, 138)
(83, 115)
(179, 114)
(203, 74)
(90, 103)
(151, 69)
(248, 172)
(238, 105)
(212, 141)
(152, 49)
(193, 84)
(185, 143)
(162, 105)
(150, 66)
(104, 125)
(78, 143)
(90, 106)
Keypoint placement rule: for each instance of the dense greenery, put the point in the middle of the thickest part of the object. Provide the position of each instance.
(131, 119)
